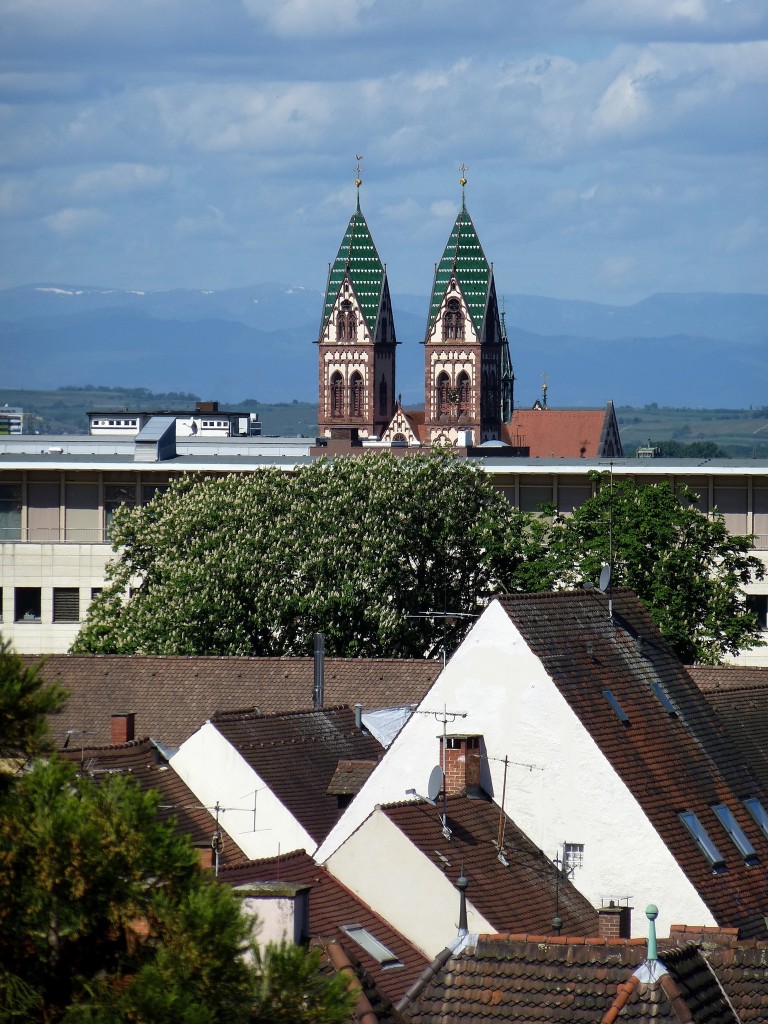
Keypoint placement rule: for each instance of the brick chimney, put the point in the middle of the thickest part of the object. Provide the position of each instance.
(614, 922)
(123, 726)
(462, 764)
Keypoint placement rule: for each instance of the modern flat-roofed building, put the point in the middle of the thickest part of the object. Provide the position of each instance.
(58, 496)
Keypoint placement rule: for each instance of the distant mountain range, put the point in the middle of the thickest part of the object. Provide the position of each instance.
(697, 350)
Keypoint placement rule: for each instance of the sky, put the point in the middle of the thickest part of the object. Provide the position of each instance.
(614, 148)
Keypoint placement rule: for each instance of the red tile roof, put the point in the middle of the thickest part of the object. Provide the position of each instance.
(173, 696)
(670, 763)
(519, 896)
(560, 433)
(332, 905)
(522, 979)
(141, 760)
(297, 755)
(739, 694)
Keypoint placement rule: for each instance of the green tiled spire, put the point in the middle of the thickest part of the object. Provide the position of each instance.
(465, 260)
(358, 258)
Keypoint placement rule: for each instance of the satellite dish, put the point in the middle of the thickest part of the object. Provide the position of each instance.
(435, 782)
(605, 578)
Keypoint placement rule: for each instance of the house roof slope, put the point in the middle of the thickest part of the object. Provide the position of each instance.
(520, 896)
(520, 979)
(332, 906)
(559, 433)
(671, 762)
(739, 694)
(297, 755)
(172, 696)
(142, 761)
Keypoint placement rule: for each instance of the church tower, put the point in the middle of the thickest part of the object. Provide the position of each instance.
(468, 372)
(357, 339)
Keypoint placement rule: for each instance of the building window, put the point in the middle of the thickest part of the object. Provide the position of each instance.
(736, 832)
(443, 393)
(149, 491)
(116, 495)
(346, 323)
(703, 840)
(337, 395)
(573, 857)
(757, 604)
(453, 321)
(27, 604)
(10, 512)
(95, 591)
(66, 604)
(371, 945)
(462, 388)
(759, 814)
(356, 396)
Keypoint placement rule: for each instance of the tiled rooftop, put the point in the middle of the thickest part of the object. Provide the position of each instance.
(173, 696)
(297, 754)
(518, 897)
(557, 433)
(671, 762)
(357, 258)
(331, 906)
(525, 979)
(739, 694)
(141, 760)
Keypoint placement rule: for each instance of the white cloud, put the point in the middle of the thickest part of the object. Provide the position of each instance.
(76, 221)
(118, 180)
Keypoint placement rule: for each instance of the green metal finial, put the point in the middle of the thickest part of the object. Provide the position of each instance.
(652, 912)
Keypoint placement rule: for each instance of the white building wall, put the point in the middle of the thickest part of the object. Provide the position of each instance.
(381, 865)
(249, 812)
(47, 566)
(560, 787)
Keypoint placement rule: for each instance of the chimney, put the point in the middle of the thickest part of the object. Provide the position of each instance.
(318, 690)
(123, 726)
(461, 759)
(614, 922)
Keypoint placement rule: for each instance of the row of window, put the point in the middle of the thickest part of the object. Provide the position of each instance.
(735, 832)
(27, 604)
(350, 400)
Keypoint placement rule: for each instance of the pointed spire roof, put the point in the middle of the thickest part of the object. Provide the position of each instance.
(465, 260)
(357, 258)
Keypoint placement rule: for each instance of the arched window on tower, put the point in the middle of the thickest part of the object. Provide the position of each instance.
(346, 322)
(337, 395)
(356, 395)
(443, 393)
(382, 397)
(453, 321)
(463, 390)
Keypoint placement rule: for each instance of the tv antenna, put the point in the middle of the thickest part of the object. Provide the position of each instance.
(445, 716)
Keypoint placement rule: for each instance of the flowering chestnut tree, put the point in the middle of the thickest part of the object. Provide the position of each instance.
(363, 549)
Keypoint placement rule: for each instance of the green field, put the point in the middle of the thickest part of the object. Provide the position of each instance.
(739, 433)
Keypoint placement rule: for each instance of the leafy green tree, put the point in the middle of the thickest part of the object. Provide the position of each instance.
(361, 549)
(685, 566)
(25, 699)
(693, 450)
(291, 987)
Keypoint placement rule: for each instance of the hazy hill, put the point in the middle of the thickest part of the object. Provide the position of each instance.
(678, 350)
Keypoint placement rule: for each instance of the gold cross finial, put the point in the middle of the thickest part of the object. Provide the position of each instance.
(463, 171)
(358, 170)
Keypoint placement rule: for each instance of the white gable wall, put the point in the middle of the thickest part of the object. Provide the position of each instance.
(381, 865)
(252, 815)
(570, 793)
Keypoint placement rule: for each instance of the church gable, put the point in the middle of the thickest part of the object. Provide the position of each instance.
(357, 261)
(403, 428)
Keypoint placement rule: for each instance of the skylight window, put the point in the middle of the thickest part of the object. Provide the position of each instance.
(703, 841)
(623, 716)
(371, 945)
(758, 812)
(735, 831)
(663, 698)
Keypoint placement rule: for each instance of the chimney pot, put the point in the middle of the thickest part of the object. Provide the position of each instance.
(462, 764)
(123, 726)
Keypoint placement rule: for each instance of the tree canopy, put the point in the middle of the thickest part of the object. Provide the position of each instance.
(362, 549)
(392, 557)
(106, 916)
(685, 566)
